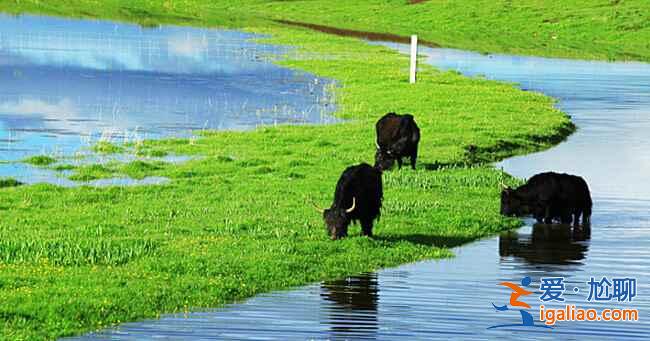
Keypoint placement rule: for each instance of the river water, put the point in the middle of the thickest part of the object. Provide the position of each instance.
(66, 84)
(452, 298)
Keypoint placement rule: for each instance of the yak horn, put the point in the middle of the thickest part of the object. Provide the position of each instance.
(319, 209)
(503, 185)
(354, 204)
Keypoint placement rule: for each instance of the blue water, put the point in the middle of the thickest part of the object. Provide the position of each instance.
(452, 299)
(66, 84)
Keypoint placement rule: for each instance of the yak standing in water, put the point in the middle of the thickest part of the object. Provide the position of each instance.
(397, 137)
(357, 197)
(549, 196)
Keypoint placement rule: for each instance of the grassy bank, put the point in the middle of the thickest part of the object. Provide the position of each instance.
(587, 29)
(235, 221)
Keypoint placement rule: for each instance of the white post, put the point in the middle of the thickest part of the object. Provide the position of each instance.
(414, 58)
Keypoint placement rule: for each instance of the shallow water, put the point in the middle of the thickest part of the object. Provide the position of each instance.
(452, 299)
(65, 84)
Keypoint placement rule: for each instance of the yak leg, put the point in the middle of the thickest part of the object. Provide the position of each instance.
(586, 219)
(565, 217)
(399, 163)
(576, 218)
(538, 213)
(414, 157)
(366, 228)
(586, 216)
(548, 219)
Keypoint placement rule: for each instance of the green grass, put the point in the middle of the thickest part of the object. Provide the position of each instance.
(236, 221)
(588, 29)
(104, 147)
(137, 169)
(40, 160)
(63, 167)
(141, 151)
(9, 182)
(91, 172)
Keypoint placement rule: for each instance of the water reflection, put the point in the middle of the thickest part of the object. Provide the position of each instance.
(547, 244)
(64, 84)
(354, 309)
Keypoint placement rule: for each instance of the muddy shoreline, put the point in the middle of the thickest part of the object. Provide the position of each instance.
(372, 36)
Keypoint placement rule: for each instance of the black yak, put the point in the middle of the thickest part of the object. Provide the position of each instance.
(397, 137)
(549, 196)
(357, 197)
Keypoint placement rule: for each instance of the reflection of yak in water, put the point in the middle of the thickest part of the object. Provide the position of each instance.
(549, 244)
(354, 310)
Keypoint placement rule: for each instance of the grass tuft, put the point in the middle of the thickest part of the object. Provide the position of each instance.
(40, 160)
(91, 172)
(72, 252)
(64, 167)
(9, 182)
(104, 147)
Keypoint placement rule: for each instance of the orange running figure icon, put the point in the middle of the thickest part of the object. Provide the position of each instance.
(517, 292)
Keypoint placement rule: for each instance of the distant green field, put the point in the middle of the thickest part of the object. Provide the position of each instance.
(588, 29)
(235, 221)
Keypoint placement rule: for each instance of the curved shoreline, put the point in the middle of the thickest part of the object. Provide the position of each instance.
(194, 243)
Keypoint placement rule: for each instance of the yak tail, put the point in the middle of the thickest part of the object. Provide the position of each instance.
(416, 136)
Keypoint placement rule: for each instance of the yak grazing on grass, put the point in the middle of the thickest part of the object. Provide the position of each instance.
(397, 137)
(357, 197)
(549, 196)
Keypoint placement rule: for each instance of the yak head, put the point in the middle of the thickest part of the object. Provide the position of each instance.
(384, 160)
(512, 204)
(337, 220)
